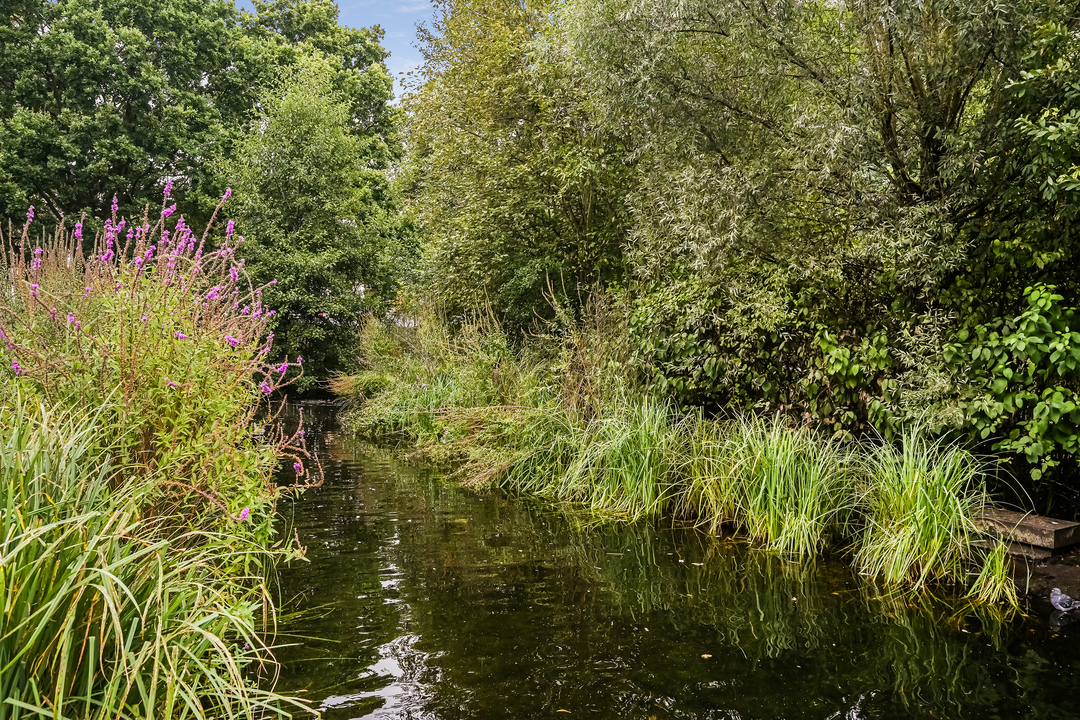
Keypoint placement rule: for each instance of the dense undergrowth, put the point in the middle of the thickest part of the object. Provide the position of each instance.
(137, 505)
(558, 416)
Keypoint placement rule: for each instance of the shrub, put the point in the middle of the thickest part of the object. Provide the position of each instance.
(137, 500)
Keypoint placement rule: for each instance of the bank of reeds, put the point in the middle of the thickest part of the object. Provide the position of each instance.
(137, 504)
(559, 417)
(103, 618)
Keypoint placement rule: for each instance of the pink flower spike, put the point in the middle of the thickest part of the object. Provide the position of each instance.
(283, 368)
(71, 317)
(297, 467)
(245, 513)
(115, 205)
(169, 382)
(299, 359)
(228, 192)
(15, 366)
(30, 215)
(179, 335)
(168, 188)
(265, 387)
(144, 318)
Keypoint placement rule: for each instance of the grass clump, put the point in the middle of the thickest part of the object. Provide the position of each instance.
(101, 616)
(558, 416)
(920, 499)
(783, 486)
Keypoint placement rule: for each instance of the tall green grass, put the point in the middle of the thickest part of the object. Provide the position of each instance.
(560, 418)
(783, 486)
(101, 617)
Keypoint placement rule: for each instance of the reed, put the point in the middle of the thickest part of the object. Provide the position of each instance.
(920, 498)
(101, 617)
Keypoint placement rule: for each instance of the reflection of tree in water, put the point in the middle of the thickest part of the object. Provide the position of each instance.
(507, 604)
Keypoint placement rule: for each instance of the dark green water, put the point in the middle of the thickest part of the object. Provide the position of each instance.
(423, 600)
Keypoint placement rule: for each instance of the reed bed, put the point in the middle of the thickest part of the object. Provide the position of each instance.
(102, 618)
(558, 420)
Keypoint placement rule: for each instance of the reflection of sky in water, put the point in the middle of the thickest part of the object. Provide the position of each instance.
(433, 602)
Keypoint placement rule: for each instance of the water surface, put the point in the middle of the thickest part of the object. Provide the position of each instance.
(420, 599)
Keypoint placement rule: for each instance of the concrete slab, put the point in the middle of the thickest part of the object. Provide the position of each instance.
(1035, 530)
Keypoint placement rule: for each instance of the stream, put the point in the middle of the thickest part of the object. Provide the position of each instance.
(420, 599)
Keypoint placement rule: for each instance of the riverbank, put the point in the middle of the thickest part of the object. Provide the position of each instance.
(559, 417)
(137, 507)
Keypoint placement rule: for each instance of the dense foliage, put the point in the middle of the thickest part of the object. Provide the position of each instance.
(137, 505)
(518, 192)
(857, 213)
(116, 97)
(315, 203)
(284, 105)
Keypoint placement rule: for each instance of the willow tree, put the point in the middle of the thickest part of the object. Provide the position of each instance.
(516, 189)
(815, 171)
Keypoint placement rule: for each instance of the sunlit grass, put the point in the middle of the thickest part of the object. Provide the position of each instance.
(100, 616)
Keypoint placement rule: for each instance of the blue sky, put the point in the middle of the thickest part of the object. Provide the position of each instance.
(398, 19)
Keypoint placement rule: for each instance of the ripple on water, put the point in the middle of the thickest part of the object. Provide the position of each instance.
(428, 601)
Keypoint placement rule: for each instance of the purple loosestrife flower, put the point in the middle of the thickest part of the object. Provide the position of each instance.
(265, 387)
(179, 335)
(16, 367)
(168, 188)
(229, 229)
(78, 231)
(86, 292)
(234, 273)
(228, 192)
(299, 359)
(34, 290)
(115, 205)
(245, 311)
(71, 317)
(245, 513)
(30, 215)
(284, 367)
(144, 318)
(297, 467)
(213, 294)
(52, 313)
(233, 342)
(169, 382)
(168, 211)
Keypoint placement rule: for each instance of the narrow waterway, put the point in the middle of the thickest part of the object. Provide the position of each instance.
(419, 599)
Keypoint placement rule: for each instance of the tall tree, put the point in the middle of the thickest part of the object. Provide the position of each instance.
(516, 188)
(116, 97)
(315, 204)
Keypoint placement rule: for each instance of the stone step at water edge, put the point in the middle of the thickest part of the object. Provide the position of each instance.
(1034, 530)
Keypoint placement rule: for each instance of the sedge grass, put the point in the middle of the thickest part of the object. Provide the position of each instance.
(920, 500)
(523, 419)
(784, 486)
(101, 619)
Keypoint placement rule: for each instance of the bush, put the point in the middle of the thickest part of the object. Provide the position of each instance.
(137, 500)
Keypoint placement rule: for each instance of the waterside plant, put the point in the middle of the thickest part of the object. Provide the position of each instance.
(137, 507)
(557, 417)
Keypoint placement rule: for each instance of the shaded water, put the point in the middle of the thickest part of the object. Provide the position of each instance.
(423, 600)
